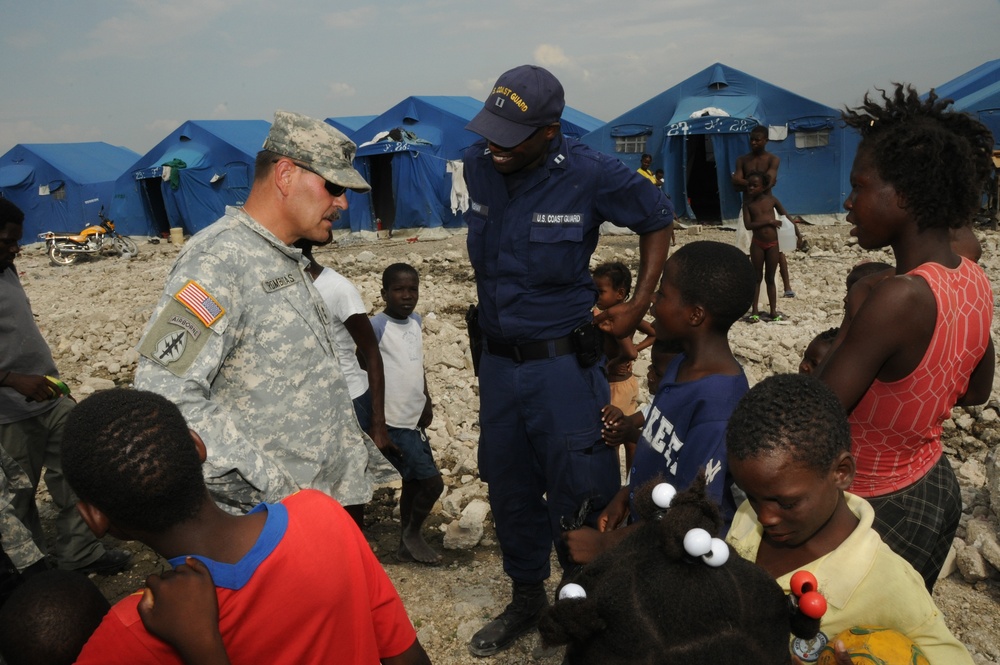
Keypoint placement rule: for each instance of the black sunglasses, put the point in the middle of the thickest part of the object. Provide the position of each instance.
(332, 189)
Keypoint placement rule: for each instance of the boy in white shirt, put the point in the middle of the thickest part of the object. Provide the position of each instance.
(408, 408)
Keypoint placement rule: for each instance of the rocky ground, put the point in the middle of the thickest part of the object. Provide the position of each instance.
(93, 313)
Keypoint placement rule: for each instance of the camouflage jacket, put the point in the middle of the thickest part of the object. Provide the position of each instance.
(240, 341)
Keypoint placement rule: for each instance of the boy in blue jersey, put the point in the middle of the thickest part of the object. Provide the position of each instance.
(706, 287)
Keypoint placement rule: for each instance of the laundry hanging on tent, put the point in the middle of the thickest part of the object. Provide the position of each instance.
(172, 172)
(459, 192)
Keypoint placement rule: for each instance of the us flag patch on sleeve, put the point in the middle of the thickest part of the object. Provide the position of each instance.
(200, 303)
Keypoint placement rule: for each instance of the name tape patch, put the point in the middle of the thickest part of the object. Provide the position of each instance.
(281, 281)
(552, 218)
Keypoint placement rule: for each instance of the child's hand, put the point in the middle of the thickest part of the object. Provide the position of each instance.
(614, 513)
(612, 420)
(181, 608)
(427, 415)
(611, 415)
(585, 544)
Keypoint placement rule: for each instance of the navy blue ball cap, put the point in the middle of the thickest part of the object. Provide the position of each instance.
(523, 99)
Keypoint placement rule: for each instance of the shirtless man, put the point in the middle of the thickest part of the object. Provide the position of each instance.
(759, 159)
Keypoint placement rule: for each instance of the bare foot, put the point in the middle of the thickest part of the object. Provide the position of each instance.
(414, 548)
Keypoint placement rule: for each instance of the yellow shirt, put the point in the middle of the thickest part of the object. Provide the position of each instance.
(865, 583)
(648, 175)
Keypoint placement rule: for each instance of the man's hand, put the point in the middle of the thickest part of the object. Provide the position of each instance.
(622, 319)
(380, 436)
(181, 608)
(34, 387)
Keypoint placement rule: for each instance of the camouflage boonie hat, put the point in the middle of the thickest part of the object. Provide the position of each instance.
(319, 146)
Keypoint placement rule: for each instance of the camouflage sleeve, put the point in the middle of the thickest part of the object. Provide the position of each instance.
(182, 351)
(16, 537)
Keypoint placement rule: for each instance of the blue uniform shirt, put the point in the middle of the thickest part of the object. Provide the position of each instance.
(531, 248)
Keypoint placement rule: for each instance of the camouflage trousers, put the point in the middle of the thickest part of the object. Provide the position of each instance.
(34, 444)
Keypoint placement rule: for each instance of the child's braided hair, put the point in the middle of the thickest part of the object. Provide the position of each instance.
(648, 602)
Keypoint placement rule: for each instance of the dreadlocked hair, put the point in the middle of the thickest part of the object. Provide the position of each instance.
(649, 602)
(130, 454)
(938, 160)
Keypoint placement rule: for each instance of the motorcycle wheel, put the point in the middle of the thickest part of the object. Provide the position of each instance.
(126, 247)
(59, 258)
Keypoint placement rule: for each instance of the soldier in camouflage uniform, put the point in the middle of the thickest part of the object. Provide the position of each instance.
(240, 339)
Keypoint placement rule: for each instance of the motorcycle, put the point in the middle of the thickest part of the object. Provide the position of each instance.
(64, 248)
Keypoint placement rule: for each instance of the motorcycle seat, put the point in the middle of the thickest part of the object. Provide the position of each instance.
(81, 238)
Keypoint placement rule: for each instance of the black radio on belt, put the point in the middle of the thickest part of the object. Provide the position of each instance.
(588, 342)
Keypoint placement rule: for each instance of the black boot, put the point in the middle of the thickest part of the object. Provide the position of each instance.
(520, 616)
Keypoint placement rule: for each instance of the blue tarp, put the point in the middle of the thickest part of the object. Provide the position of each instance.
(978, 92)
(408, 169)
(61, 186)
(212, 167)
(696, 129)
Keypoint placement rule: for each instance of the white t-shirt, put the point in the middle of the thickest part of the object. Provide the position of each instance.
(343, 301)
(401, 344)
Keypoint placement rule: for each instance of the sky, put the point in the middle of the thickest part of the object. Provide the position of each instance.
(129, 72)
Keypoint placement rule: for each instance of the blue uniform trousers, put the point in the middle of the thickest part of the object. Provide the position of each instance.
(541, 453)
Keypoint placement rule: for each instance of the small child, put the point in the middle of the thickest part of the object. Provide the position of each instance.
(861, 279)
(789, 445)
(408, 408)
(762, 161)
(49, 618)
(758, 217)
(817, 350)
(648, 601)
(296, 581)
(614, 283)
(620, 428)
(706, 287)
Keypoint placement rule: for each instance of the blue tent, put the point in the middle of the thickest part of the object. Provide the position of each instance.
(405, 153)
(61, 186)
(348, 124)
(978, 92)
(210, 166)
(696, 130)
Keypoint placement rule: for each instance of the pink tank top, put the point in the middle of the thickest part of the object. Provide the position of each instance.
(896, 427)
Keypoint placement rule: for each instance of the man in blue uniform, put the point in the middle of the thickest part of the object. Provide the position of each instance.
(537, 200)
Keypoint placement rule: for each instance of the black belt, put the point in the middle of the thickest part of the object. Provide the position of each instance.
(539, 350)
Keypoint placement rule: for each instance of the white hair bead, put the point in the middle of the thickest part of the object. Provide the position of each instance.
(719, 554)
(572, 590)
(697, 542)
(663, 495)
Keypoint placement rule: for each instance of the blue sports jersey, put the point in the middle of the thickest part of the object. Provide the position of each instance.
(686, 432)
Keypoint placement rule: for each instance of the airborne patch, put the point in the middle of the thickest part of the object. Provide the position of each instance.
(175, 338)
